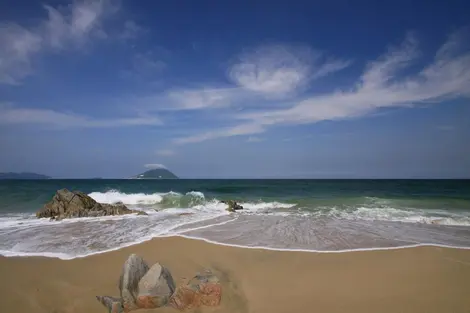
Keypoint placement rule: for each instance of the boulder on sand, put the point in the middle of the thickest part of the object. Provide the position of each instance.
(134, 269)
(68, 204)
(155, 288)
(201, 290)
(140, 287)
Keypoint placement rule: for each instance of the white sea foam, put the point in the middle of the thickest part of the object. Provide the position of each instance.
(438, 217)
(264, 206)
(191, 213)
(114, 196)
(64, 256)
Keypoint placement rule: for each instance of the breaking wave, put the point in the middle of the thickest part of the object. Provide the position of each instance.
(192, 199)
(173, 213)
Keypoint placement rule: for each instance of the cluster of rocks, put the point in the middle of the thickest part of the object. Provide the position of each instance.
(232, 205)
(71, 204)
(144, 287)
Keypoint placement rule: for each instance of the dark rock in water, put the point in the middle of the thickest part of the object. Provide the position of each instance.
(114, 305)
(232, 205)
(200, 290)
(134, 269)
(68, 204)
(155, 288)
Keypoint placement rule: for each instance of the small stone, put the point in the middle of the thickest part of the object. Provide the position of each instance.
(114, 305)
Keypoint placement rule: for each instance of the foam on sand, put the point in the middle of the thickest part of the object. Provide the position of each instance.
(262, 224)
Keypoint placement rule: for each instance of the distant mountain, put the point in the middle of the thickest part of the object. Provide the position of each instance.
(23, 176)
(159, 173)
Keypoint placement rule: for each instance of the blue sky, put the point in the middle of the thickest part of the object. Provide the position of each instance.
(209, 89)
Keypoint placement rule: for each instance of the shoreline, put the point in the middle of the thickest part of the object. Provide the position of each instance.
(54, 255)
(324, 236)
(420, 279)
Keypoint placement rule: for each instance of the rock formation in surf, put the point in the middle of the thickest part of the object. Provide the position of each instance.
(68, 204)
(232, 205)
(144, 287)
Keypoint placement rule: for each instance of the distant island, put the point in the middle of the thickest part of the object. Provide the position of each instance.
(24, 175)
(159, 173)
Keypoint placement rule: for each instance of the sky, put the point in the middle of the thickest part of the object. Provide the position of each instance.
(236, 89)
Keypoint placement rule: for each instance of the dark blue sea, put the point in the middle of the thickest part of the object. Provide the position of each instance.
(316, 215)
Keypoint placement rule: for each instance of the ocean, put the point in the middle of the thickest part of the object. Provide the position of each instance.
(310, 215)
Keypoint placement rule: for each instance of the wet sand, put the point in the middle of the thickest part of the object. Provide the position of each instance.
(420, 279)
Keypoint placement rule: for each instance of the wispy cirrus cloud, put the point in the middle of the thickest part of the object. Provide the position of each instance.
(263, 76)
(65, 27)
(266, 74)
(131, 30)
(175, 100)
(281, 70)
(242, 129)
(254, 139)
(165, 152)
(144, 66)
(382, 84)
(197, 99)
(10, 115)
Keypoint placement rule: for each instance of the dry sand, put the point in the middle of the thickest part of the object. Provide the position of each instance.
(422, 279)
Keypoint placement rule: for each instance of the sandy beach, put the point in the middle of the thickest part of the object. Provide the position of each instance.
(421, 279)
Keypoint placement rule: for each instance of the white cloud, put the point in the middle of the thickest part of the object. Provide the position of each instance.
(165, 152)
(244, 129)
(265, 73)
(73, 25)
(147, 63)
(381, 71)
(10, 115)
(189, 99)
(254, 139)
(65, 27)
(17, 46)
(196, 99)
(155, 166)
(385, 82)
(446, 127)
(131, 30)
(144, 66)
(280, 70)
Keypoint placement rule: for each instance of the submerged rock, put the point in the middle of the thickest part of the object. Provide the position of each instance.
(200, 290)
(232, 205)
(69, 204)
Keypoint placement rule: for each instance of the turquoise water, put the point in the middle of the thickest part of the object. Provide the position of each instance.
(296, 214)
